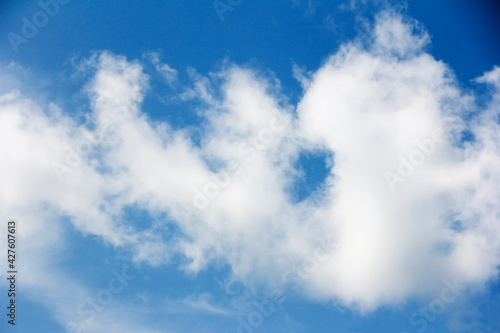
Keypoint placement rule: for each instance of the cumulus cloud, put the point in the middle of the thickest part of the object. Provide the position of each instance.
(406, 201)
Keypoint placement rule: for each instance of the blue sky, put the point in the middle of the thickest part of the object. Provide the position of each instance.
(176, 165)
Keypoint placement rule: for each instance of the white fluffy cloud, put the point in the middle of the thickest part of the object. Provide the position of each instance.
(371, 105)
